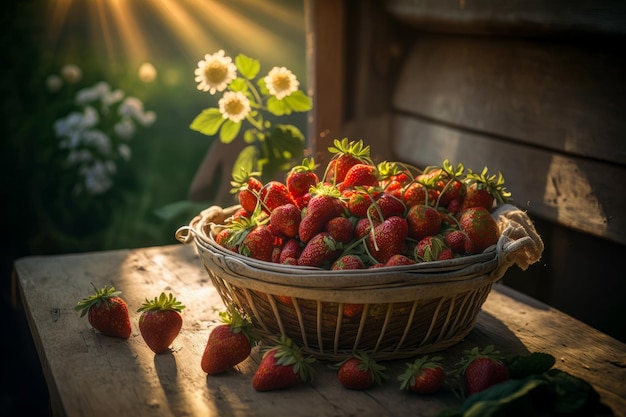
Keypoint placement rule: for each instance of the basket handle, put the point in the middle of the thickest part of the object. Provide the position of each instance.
(208, 217)
(520, 243)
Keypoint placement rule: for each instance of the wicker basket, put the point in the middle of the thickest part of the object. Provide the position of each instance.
(408, 310)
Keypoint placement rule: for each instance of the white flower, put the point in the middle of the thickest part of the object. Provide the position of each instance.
(72, 73)
(98, 176)
(234, 106)
(281, 82)
(125, 128)
(98, 140)
(99, 91)
(124, 151)
(79, 156)
(133, 107)
(54, 83)
(73, 126)
(215, 72)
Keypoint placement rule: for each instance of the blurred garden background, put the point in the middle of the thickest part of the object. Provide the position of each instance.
(144, 49)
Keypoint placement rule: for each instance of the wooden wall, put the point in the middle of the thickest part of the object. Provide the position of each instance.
(535, 90)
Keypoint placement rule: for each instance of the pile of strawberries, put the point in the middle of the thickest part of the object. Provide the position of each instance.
(362, 214)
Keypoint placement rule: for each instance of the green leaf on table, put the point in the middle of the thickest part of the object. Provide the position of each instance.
(208, 121)
(248, 67)
(521, 366)
(572, 393)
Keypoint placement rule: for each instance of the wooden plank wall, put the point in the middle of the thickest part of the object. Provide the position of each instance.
(533, 89)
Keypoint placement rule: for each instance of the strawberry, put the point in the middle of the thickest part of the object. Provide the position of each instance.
(286, 219)
(484, 190)
(228, 344)
(258, 244)
(360, 372)
(385, 206)
(480, 229)
(275, 194)
(247, 187)
(415, 193)
(324, 205)
(360, 175)
(363, 227)
(290, 250)
(352, 310)
(387, 238)
(319, 250)
(455, 240)
(345, 156)
(445, 254)
(340, 228)
(449, 184)
(359, 201)
(160, 321)
(399, 259)
(481, 369)
(106, 311)
(424, 376)
(423, 221)
(282, 366)
(301, 178)
(429, 248)
(347, 262)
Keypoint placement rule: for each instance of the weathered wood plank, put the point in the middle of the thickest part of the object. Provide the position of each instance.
(495, 17)
(94, 374)
(560, 96)
(579, 193)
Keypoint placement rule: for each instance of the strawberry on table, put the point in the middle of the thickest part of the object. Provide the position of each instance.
(106, 311)
(481, 369)
(424, 376)
(160, 321)
(282, 366)
(360, 372)
(229, 343)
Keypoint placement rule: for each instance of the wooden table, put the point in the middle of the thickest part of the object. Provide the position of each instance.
(93, 375)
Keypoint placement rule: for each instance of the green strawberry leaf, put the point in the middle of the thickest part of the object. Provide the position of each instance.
(298, 101)
(248, 67)
(208, 121)
(521, 366)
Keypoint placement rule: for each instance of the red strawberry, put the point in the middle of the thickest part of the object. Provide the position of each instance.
(247, 188)
(301, 178)
(275, 194)
(429, 248)
(160, 321)
(258, 244)
(484, 189)
(414, 194)
(286, 219)
(388, 238)
(424, 376)
(480, 229)
(229, 344)
(291, 249)
(347, 262)
(359, 201)
(423, 221)
(399, 259)
(360, 372)
(446, 253)
(340, 228)
(455, 240)
(360, 175)
(482, 369)
(324, 205)
(346, 155)
(363, 227)
(106, 312)
(319, 250)
(386, 205)
(352, 310)
(282, 366)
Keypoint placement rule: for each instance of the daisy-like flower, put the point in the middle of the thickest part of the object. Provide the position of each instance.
(215, 72)
(281, 82)
(234, 106)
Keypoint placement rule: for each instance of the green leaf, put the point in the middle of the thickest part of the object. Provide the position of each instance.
(521, 366)
(208, 121)
(247, 160)
(298, 101)
(263, 87)
(238, 84)
(248, 67)
(278, 107)
(252, 136)
(229, 131)
(572, 392)
(283, 145)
